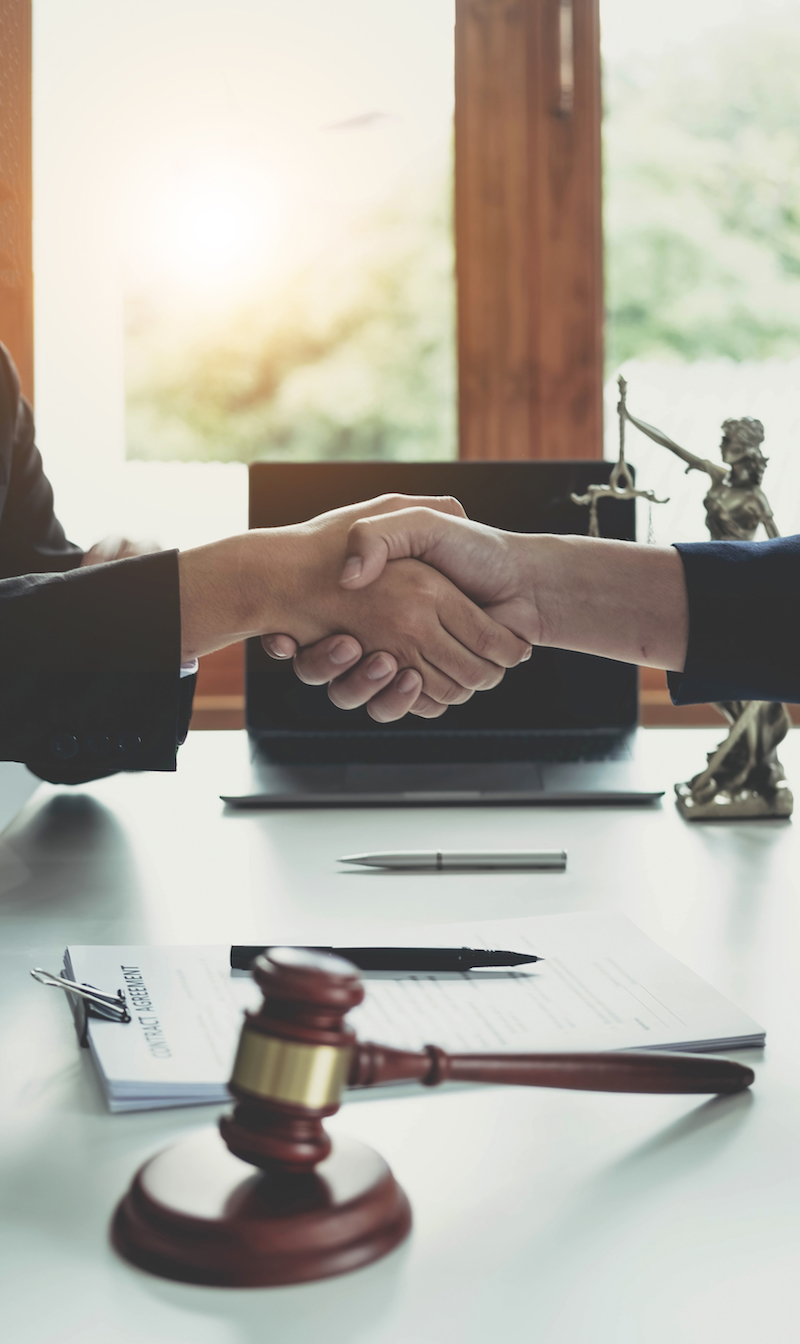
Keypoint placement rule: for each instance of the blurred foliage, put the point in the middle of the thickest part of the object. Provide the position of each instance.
(351, 358)
(702, 200)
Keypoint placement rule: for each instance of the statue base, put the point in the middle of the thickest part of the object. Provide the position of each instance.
(743, 805)
(198, 1214)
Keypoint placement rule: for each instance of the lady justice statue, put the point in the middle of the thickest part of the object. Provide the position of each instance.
(743, 777)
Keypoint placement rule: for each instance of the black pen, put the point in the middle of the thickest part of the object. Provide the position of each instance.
(424, 959)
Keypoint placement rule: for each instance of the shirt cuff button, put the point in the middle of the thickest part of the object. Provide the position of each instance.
(64, 746)
(96, 746)
(129, 744)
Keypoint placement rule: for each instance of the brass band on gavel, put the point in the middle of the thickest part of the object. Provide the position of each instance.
(290, 1071)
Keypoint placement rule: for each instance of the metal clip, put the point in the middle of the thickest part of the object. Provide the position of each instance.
(111, 1007)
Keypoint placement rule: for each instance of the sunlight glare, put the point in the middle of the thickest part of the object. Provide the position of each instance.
(211, 227)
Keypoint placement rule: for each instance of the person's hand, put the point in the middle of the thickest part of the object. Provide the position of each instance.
(609, 598)
(353, 680)
(489, 566)
(338, 661)
(116, 548)
(418, 617)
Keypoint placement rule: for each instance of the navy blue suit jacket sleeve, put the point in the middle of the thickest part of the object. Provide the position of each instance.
(744, 621)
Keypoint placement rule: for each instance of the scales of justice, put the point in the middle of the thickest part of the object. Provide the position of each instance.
(743, 777)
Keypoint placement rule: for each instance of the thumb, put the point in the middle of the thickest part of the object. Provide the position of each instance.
(408, 533)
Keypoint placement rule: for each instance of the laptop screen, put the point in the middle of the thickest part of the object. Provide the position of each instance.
(556, 692)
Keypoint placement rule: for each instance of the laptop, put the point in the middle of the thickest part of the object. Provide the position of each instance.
(560, 728)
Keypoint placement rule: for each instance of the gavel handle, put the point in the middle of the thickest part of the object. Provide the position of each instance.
(609, 1071)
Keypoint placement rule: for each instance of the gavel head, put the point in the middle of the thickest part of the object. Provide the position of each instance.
(293, 1059)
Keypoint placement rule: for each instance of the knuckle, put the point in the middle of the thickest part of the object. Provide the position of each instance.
(491, 677)
(427, 582)
(429, 710)
(452, 694)
(382, 711)
(485, 642)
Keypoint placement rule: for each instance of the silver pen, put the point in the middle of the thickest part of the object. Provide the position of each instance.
(452, 860)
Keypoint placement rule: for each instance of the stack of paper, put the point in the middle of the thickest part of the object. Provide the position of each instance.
(602, 986)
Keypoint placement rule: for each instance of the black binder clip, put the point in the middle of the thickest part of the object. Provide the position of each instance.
(86, 1002)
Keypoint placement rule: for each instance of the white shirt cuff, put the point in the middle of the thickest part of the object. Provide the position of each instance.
(189, 669)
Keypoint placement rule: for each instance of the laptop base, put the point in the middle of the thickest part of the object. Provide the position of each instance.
(453, 784)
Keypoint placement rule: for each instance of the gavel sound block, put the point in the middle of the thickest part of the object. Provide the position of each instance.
(200, 1213)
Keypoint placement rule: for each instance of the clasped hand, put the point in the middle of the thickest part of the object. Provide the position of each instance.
(406, 638)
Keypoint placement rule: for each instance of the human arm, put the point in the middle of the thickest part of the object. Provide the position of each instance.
(89, 660)
(594, 596)
(720, 617)
(623, 603)
(286, 578)
(89, 670)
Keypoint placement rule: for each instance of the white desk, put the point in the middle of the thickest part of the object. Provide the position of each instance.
(539, 1216)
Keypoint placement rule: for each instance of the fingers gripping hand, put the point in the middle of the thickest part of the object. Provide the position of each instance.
(414, 532)
(430, 626)
(116, 548)
(427, 626)
(485, 563)
(319, 663)
(353, 680)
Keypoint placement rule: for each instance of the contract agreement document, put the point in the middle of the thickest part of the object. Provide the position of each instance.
(603, 985)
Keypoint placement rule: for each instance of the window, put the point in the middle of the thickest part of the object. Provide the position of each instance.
(702, 228)
(702, 232)
(243, 247)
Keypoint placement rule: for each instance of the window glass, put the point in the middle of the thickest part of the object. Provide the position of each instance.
(285, 228)
(702, 229)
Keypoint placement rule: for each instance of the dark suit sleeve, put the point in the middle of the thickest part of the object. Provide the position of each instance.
(32, 540)
(90, 669)
(744, 622)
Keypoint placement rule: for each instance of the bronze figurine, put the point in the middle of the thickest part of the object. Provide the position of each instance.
(743, 777)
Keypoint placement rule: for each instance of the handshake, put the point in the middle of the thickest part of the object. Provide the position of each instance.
(405, 605)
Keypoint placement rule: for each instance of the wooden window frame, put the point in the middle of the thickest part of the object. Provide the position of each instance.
(16, 187)
(528, 227)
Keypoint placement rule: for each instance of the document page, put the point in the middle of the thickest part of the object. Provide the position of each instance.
(603, 985)
(186, 1011)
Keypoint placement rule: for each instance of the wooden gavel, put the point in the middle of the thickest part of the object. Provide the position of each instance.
(199, 1213)
(296, 1056)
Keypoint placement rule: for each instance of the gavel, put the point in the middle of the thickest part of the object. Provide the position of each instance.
(296, 1055)
(198, 1212)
